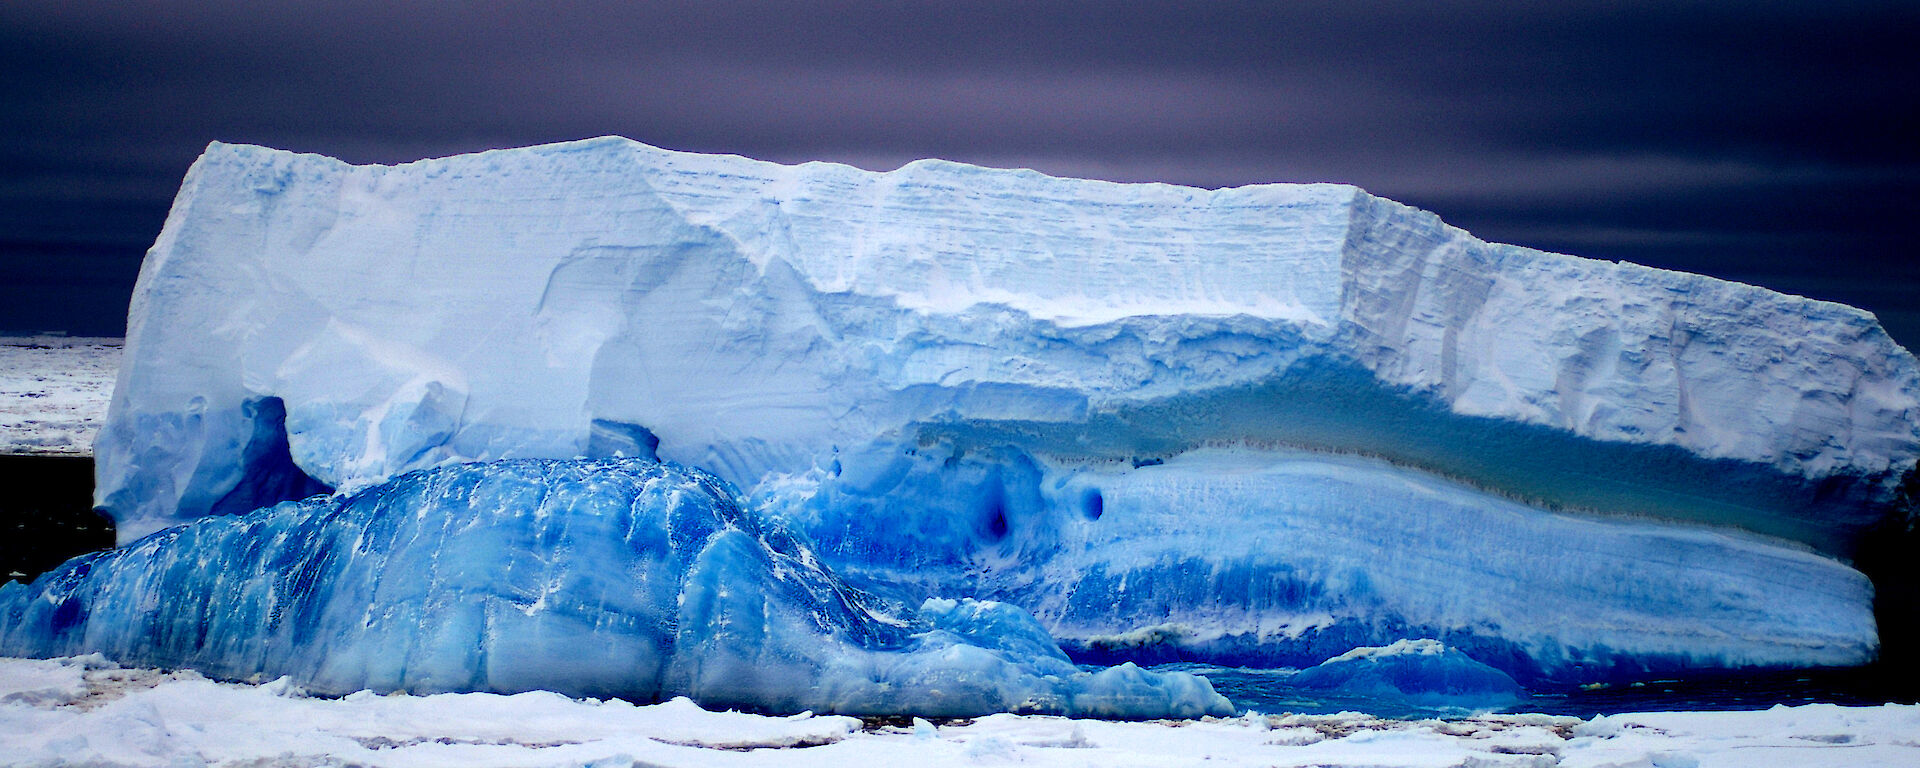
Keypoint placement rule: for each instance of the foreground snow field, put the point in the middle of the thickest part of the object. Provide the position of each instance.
(88, 711)
(54, 392)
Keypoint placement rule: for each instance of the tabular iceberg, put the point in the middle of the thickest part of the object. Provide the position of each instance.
(1256, 424)
(610, 578)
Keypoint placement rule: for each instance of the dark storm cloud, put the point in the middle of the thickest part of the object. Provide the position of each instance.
(1772, 143)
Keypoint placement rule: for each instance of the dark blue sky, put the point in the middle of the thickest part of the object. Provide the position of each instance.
(1772, 143)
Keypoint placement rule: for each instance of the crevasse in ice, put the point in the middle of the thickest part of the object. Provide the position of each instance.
(618, 577)
(1255, 425)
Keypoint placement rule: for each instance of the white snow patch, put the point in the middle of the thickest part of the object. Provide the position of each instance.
(1395, 648)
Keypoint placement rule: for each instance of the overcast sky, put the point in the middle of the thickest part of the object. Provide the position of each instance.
(1775, 143)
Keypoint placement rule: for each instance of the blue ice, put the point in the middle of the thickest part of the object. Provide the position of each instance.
(1417, 673)
(615, 577)
(1256, 557)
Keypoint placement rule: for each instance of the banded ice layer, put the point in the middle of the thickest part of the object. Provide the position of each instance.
(611, 578)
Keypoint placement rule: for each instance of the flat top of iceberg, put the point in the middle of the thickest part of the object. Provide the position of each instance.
(695, 174)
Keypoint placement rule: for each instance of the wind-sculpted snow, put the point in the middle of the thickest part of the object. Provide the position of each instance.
(1263, 558)
(604, 578)
(593, 297)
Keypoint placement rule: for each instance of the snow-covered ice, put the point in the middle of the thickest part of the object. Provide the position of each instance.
(90, 712)
(54, 392)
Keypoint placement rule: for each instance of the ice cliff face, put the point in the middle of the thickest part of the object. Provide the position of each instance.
(1082, 398)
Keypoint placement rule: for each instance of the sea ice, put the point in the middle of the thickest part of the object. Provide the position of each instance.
(54, 392)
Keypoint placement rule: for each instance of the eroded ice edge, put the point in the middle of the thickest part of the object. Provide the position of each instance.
(1256, 426)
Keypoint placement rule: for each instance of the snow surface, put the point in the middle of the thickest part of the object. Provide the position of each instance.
(54, 392)
(753, 317)
(101, 714)
(618, 577)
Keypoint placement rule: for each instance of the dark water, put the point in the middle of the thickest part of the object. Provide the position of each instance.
(1267, 691)
(46, 514)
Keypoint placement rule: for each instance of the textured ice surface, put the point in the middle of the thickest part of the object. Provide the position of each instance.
(605, 578)
(1287, 558)
(516, 304)
(1420, 672)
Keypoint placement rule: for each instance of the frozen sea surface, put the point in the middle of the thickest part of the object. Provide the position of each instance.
(54, 392)
(86, 711)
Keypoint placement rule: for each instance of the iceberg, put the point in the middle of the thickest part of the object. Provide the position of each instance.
(1424, 673)
(619, 577)
(1245, 426)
